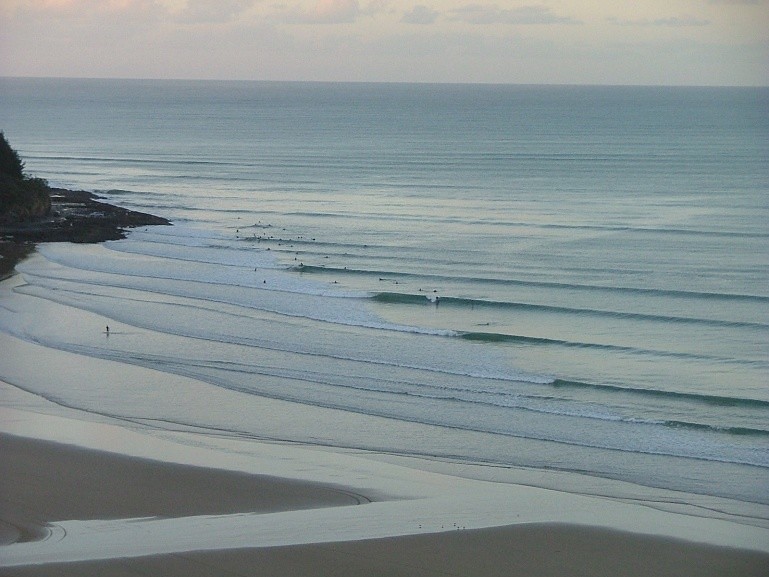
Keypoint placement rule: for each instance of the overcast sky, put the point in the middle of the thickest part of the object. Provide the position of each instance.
(695, 42)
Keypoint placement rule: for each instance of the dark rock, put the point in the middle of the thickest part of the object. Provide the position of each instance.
(76, 216)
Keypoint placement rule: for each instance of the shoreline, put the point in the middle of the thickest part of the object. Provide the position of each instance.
(184, 503)
(400, 507)
(116, 497)
(76, 216)
(194, 495)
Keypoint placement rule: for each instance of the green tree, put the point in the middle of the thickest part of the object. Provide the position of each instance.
(10, 163)
(21, 198)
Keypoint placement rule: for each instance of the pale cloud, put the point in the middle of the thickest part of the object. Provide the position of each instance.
(64, 6)
(672, 21)
(137, 10)
(377, 7)
(492, 14)
(326, 12)
(518, 41)
(82, 9)
(54, 5)
(735, 2)
(420, 14)
(206, 11)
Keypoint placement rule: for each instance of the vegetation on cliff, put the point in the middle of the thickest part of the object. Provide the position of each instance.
(31, 212)
(22, 198)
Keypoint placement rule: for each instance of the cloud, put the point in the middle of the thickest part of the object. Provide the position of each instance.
(735, 2)
(199, 11)
(86, 20)
(377, 6)
(420, 14)
(327, 12)
(683, 21)
(83, 10)
(492, 14)
(672, 22)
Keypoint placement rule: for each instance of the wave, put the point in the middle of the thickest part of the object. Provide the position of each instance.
(487, 337)
(532, 404)
(279, 304)
(313, 310)
(129, 161)
(673, 446)
(700, 398)
(438, 372)
(738, 431)
(439, 278)
(406, 298)
(695, 232)
(402, 298)
(430, 388)
(206, 295)
(555, 383)
(527, 225)
(555, 406)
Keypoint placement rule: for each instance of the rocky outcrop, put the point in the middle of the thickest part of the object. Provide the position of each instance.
(77, 216)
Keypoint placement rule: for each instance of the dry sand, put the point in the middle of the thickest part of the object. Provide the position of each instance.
(45, 482)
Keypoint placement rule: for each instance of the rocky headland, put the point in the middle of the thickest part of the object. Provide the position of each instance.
(74, 216)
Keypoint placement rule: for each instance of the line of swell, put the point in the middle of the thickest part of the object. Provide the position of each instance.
(444, 394)
(718, 400)
(537, 284)
(417, 299)
(172, 366)
(404, 298)
(153, 160)
(30, 289)
(739, 431)
(598, 227)
(523, 224)
(672, 424)
(508, 338)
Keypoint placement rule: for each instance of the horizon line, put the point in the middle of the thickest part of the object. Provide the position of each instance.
(391, 82)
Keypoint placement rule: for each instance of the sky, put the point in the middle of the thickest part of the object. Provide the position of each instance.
(657, 42)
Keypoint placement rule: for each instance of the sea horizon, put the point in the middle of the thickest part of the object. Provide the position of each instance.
(375, 82)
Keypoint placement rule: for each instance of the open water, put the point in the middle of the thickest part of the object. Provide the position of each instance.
(571, 278)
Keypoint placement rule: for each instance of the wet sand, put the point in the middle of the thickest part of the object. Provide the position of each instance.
(43, 482)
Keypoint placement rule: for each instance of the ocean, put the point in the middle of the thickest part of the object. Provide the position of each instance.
(560, 278)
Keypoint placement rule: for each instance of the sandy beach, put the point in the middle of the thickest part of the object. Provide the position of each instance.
(43, 482)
